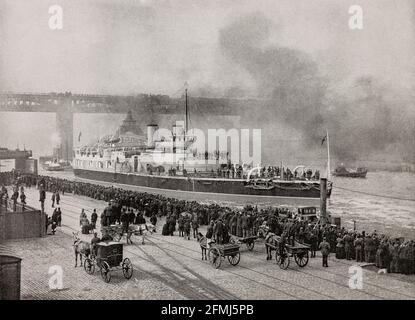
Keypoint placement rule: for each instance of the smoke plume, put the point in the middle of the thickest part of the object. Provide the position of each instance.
(360, 123)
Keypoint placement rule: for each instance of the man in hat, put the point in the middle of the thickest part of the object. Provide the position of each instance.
(94, 218)
(108, 214)
(348, 243)
(94, 242)
(325, 251)
(125, 220)
(106, 236)
(42, 197)
(358, 248)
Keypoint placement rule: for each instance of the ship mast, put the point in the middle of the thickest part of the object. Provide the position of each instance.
(185, 125)
(186, 116)
(328, 155)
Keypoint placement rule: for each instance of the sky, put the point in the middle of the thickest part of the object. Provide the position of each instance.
(154, 46)
(140, 46)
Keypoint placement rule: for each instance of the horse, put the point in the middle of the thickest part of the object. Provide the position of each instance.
(203, 244)
(270, 239)
(81, 248)
(262, 232)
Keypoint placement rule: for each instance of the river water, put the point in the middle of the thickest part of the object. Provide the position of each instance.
(384, 201)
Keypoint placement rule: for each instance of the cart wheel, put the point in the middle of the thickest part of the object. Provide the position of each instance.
(127, 268)
(117, 237)
(250, 245)
(301, 258)
(284, 260)
(234, 259)
(89, 266)
(215, 258)
(105, 271)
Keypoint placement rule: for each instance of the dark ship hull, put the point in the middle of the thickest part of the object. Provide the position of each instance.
(351, 174)
(342, 172)
(206, 187)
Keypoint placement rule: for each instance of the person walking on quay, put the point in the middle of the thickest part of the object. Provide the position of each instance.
(59, 217)
(82, 216)
(195, 226)
(313, 243)
(94, 218)
(348, 240)
(131, 216)
(358, 249)
(57, 197)
(22, 197)
(53, 200)
(172, 224)
(108, 214)
(103, 219)
(181, 226)
(124, 220)
(153, 220)
(14, 197)
(42, 197)
(187, 228)
(55, 220)
(325, 251)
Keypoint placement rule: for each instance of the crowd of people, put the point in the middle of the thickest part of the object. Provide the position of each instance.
(130, 207)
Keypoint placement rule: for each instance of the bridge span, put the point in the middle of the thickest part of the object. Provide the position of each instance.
(65, 105)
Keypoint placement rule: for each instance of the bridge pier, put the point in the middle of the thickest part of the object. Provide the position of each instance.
(64, 127)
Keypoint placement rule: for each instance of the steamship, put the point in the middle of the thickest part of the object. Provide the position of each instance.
(169, 164)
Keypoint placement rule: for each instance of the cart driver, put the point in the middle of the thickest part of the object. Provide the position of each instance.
(94, 241)
(106, 237)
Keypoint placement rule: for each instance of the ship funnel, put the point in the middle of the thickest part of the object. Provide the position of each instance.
(151, 129)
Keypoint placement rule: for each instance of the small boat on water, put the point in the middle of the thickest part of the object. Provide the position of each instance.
(52, 167)
(56, 166)
(342, 171)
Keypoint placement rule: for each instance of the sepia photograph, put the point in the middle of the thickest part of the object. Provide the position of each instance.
(207, 150)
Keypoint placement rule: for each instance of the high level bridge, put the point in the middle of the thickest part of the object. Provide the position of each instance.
(65, 105)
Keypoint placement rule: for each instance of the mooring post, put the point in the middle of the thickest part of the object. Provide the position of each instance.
(323, 200)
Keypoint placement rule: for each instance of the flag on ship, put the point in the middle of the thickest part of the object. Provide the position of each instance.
(324, 139)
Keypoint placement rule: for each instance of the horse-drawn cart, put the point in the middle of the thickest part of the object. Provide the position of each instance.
(248, 241)
(298, 251)
(109, 257)
(218, 252)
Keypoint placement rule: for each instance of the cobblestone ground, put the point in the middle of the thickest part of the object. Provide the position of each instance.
(171, 268)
